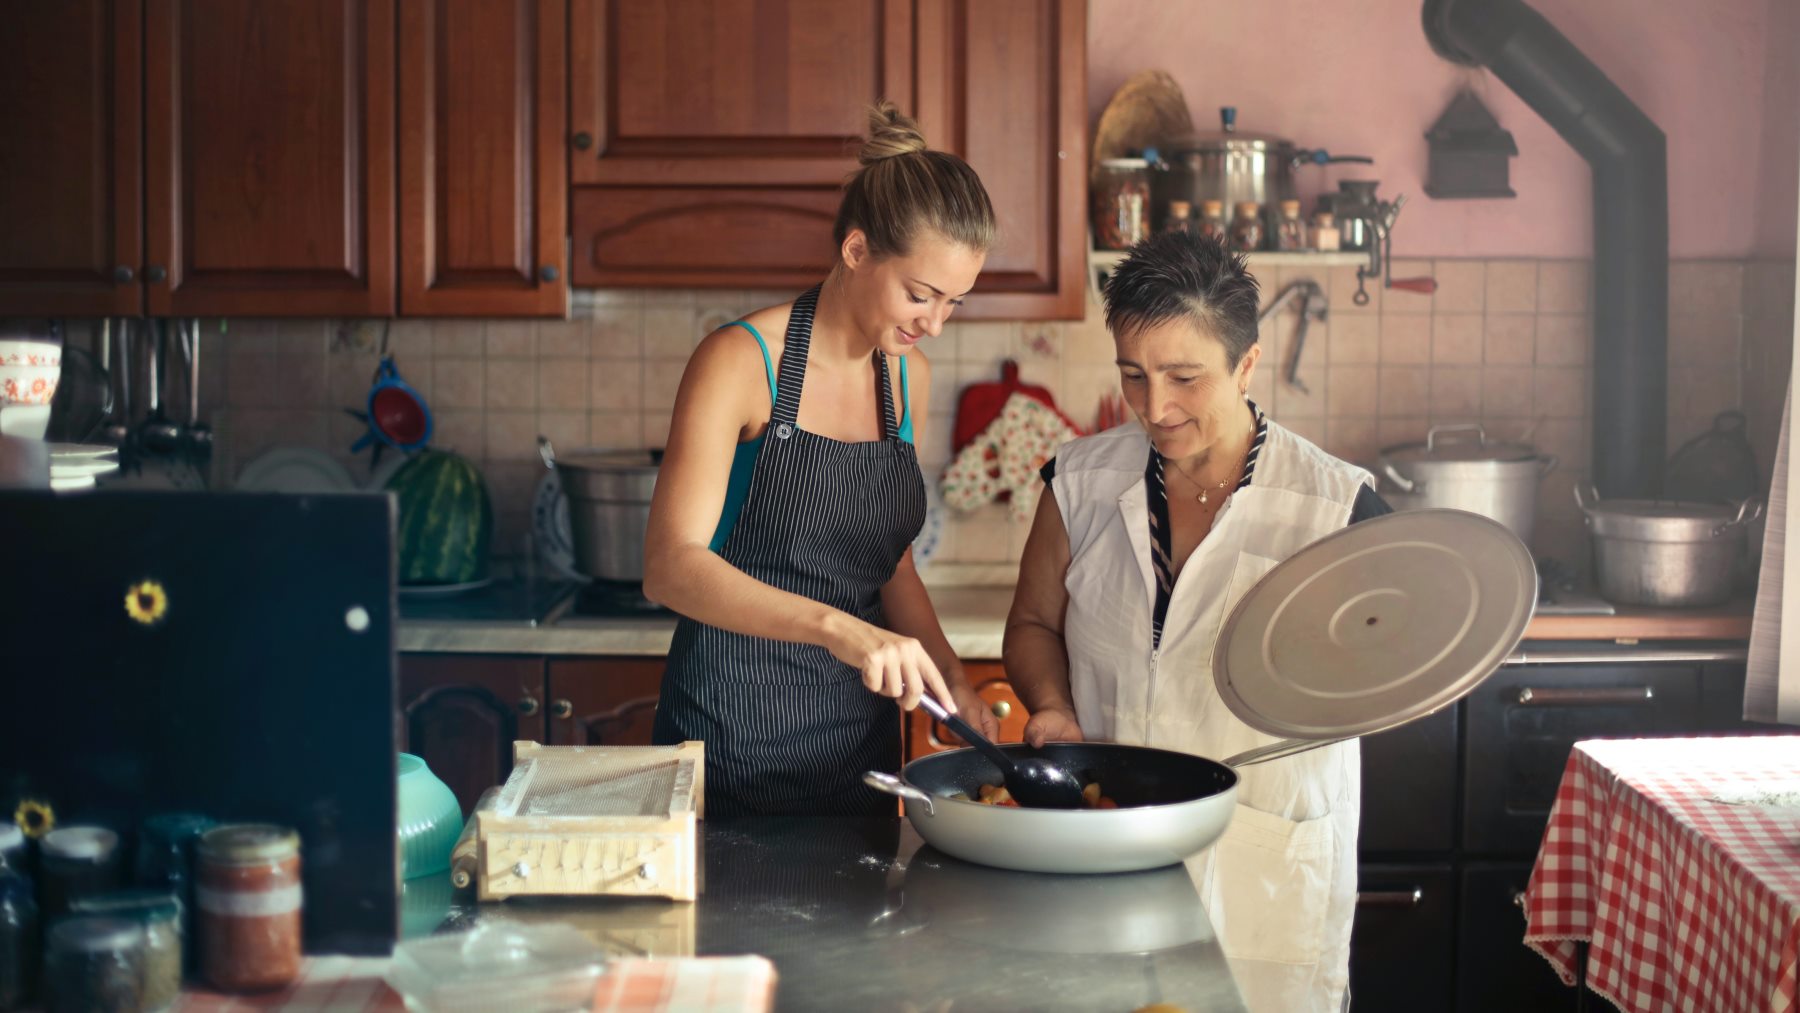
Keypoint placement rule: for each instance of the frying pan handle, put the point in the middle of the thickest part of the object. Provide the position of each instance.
(1277, 750)
(891, 785)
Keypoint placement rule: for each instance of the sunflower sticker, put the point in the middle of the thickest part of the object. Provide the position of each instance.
(146, 602)
(35, 818)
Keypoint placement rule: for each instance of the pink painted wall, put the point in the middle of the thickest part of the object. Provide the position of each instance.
(1361, 79)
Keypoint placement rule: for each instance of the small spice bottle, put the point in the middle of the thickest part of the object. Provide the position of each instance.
(1247, 227)
(159, 913)
(165, 861)
(1325, 231)
(77, 862)
(18, 938)
(1180, 217)
(247, 887)
(1212, 220)
(1290, 231)
(94, 965)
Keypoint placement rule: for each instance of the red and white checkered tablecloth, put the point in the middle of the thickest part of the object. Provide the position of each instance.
(354, 985)
(1687, 902)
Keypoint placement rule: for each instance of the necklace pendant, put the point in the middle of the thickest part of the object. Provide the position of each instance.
(1202, 496)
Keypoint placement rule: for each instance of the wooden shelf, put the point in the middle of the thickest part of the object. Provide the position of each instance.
(1101, 262)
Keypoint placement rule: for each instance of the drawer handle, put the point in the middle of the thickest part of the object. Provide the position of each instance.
(1391, 898)
(1001, 708)
(1519, 899)
(1529, 697)
(561, 709)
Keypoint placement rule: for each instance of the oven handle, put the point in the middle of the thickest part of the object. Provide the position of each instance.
(1391, 898)
(1639, 656)
(1609, 696)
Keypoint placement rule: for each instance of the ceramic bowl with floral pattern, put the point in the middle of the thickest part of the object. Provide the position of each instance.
(30, 352)
(23, 384)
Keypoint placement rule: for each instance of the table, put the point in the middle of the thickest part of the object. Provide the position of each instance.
(1678, 862)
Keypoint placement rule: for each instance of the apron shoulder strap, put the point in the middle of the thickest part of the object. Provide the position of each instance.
(884, 392)
(793, 362)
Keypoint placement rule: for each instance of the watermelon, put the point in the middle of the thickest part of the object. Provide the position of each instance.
(446, 519)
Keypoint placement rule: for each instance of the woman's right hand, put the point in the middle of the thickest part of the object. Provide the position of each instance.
(1052, 724)
(891, 664)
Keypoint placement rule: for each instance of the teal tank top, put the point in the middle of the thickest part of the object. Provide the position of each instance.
(743, 462)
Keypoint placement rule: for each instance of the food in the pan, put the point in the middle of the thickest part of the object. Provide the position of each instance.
(995, 794)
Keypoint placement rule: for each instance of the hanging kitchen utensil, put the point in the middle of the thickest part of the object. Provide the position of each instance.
(1313, 306)
(83, 399)
(1717, 466)
(980, 404)
(395, 413)
(1367, 223)
(157, 434)
(196, 436)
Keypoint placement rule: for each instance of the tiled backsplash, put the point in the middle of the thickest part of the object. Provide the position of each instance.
(1504, 342)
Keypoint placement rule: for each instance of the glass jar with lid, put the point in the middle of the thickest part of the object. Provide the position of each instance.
(1121, 195)
(1290, 230)
(165, 861)
(94, 964)
(77, 861)
(1180, 217)
(1212, 220)
(247, 887)
(1247, 227)
(159, 913)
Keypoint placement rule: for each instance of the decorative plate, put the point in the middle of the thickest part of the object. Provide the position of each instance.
(296, 470)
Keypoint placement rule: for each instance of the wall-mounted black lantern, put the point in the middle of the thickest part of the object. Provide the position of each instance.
(1469, 152)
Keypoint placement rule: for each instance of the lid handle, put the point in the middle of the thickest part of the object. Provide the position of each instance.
(1748, 511)
(1228, 118)
(547, 452)
(1460, 427)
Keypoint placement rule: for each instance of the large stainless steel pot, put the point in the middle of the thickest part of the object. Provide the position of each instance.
(1666, 553)
(1494, 479)
(1232, 166)
(609, 508)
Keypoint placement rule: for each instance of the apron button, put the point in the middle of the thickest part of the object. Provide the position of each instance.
(783, 431)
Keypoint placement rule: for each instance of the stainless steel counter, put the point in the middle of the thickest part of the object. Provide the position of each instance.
(857, 915)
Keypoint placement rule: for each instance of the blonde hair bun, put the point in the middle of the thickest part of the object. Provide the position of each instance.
(891, 133)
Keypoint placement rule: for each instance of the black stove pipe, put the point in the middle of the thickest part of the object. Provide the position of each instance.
(1628, 155)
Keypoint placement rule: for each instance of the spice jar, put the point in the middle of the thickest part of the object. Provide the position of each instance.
(165, 861)
(1179, 219)
(1325, 232)
(1212, 220)
(1247, 227)
(76, 862)
(1290, 231)
(247, 887)
(1121, 203)
(159, 913)
(18, 938)
(94, 964)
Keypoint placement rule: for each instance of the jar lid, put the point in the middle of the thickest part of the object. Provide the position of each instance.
(95, 843)
(1290, 207)
(1324, 218)
(1212, 207)
(241, 843)
(11, 837)
(1125, 163)
(177, 827)
(1180, 207)
(1248, 207)
(147, 905)
(96, 934)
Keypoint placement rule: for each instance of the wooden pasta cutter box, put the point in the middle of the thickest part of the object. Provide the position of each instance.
(593, 821)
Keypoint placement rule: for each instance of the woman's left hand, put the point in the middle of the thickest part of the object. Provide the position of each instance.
(972, 708)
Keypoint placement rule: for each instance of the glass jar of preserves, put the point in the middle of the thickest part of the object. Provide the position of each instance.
(94, 964)
(1247, 227)
(1290, 231)
(74, 862)
(1180, 217)
(1121, 203)
(247, 887)
(1212, 220)
(159, 913)
(165, 861)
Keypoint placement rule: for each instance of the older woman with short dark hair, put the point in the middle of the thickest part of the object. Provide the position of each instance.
(1145, 538)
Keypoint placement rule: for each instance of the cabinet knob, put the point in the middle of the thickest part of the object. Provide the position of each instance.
(584, 141)
(528, 705)
(549, 272)
(1001, 708)
(155, 275)
(122, 275)
(561, 709)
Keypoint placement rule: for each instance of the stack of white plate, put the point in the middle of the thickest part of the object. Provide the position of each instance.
(76, 465)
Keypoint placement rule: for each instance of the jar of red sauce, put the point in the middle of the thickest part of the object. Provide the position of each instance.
(247, 889)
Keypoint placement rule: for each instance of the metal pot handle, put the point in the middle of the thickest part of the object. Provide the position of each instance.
(1548, 465)
(1460, 427)
(891, 785)
(547, 452)
(1748, 511)
(1589, 501)
(1388, 469)
(1278, 750)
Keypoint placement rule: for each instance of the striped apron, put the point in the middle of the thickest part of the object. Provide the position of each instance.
(788, 728)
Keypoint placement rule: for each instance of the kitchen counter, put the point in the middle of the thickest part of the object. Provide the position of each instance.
(974, 619)
(858, 915)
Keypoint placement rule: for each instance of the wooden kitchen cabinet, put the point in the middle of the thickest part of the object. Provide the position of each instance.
(710, 137)
(1403, 946)
(462, 714)
(483, 183)
(925, 736)
(71, 162)
(603, 701)
(269, 157)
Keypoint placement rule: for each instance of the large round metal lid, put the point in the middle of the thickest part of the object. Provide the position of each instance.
(1375, 625)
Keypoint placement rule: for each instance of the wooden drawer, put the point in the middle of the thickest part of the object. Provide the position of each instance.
(925, 736)
(1409, 787)
(1522, 722)
(1402, 950)
(1495, 971)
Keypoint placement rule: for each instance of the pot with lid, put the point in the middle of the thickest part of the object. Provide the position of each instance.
(1487, 477)
(1666, 553)
(1235, 167)
(609, 507)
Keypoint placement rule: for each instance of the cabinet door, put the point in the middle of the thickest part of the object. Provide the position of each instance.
(604, 701)
(462, 714)
(71, 204)
(1409, 787)
(1495, 971)
(270, 157)
(482, 173)
(1402, 949)
(925, 736)
(1523, 721)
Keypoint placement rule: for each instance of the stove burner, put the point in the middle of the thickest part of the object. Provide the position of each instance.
(611, 599)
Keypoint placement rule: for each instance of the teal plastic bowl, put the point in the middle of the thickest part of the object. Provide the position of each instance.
(430, 820)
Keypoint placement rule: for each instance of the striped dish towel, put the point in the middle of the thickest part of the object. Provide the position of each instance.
(676, 985)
